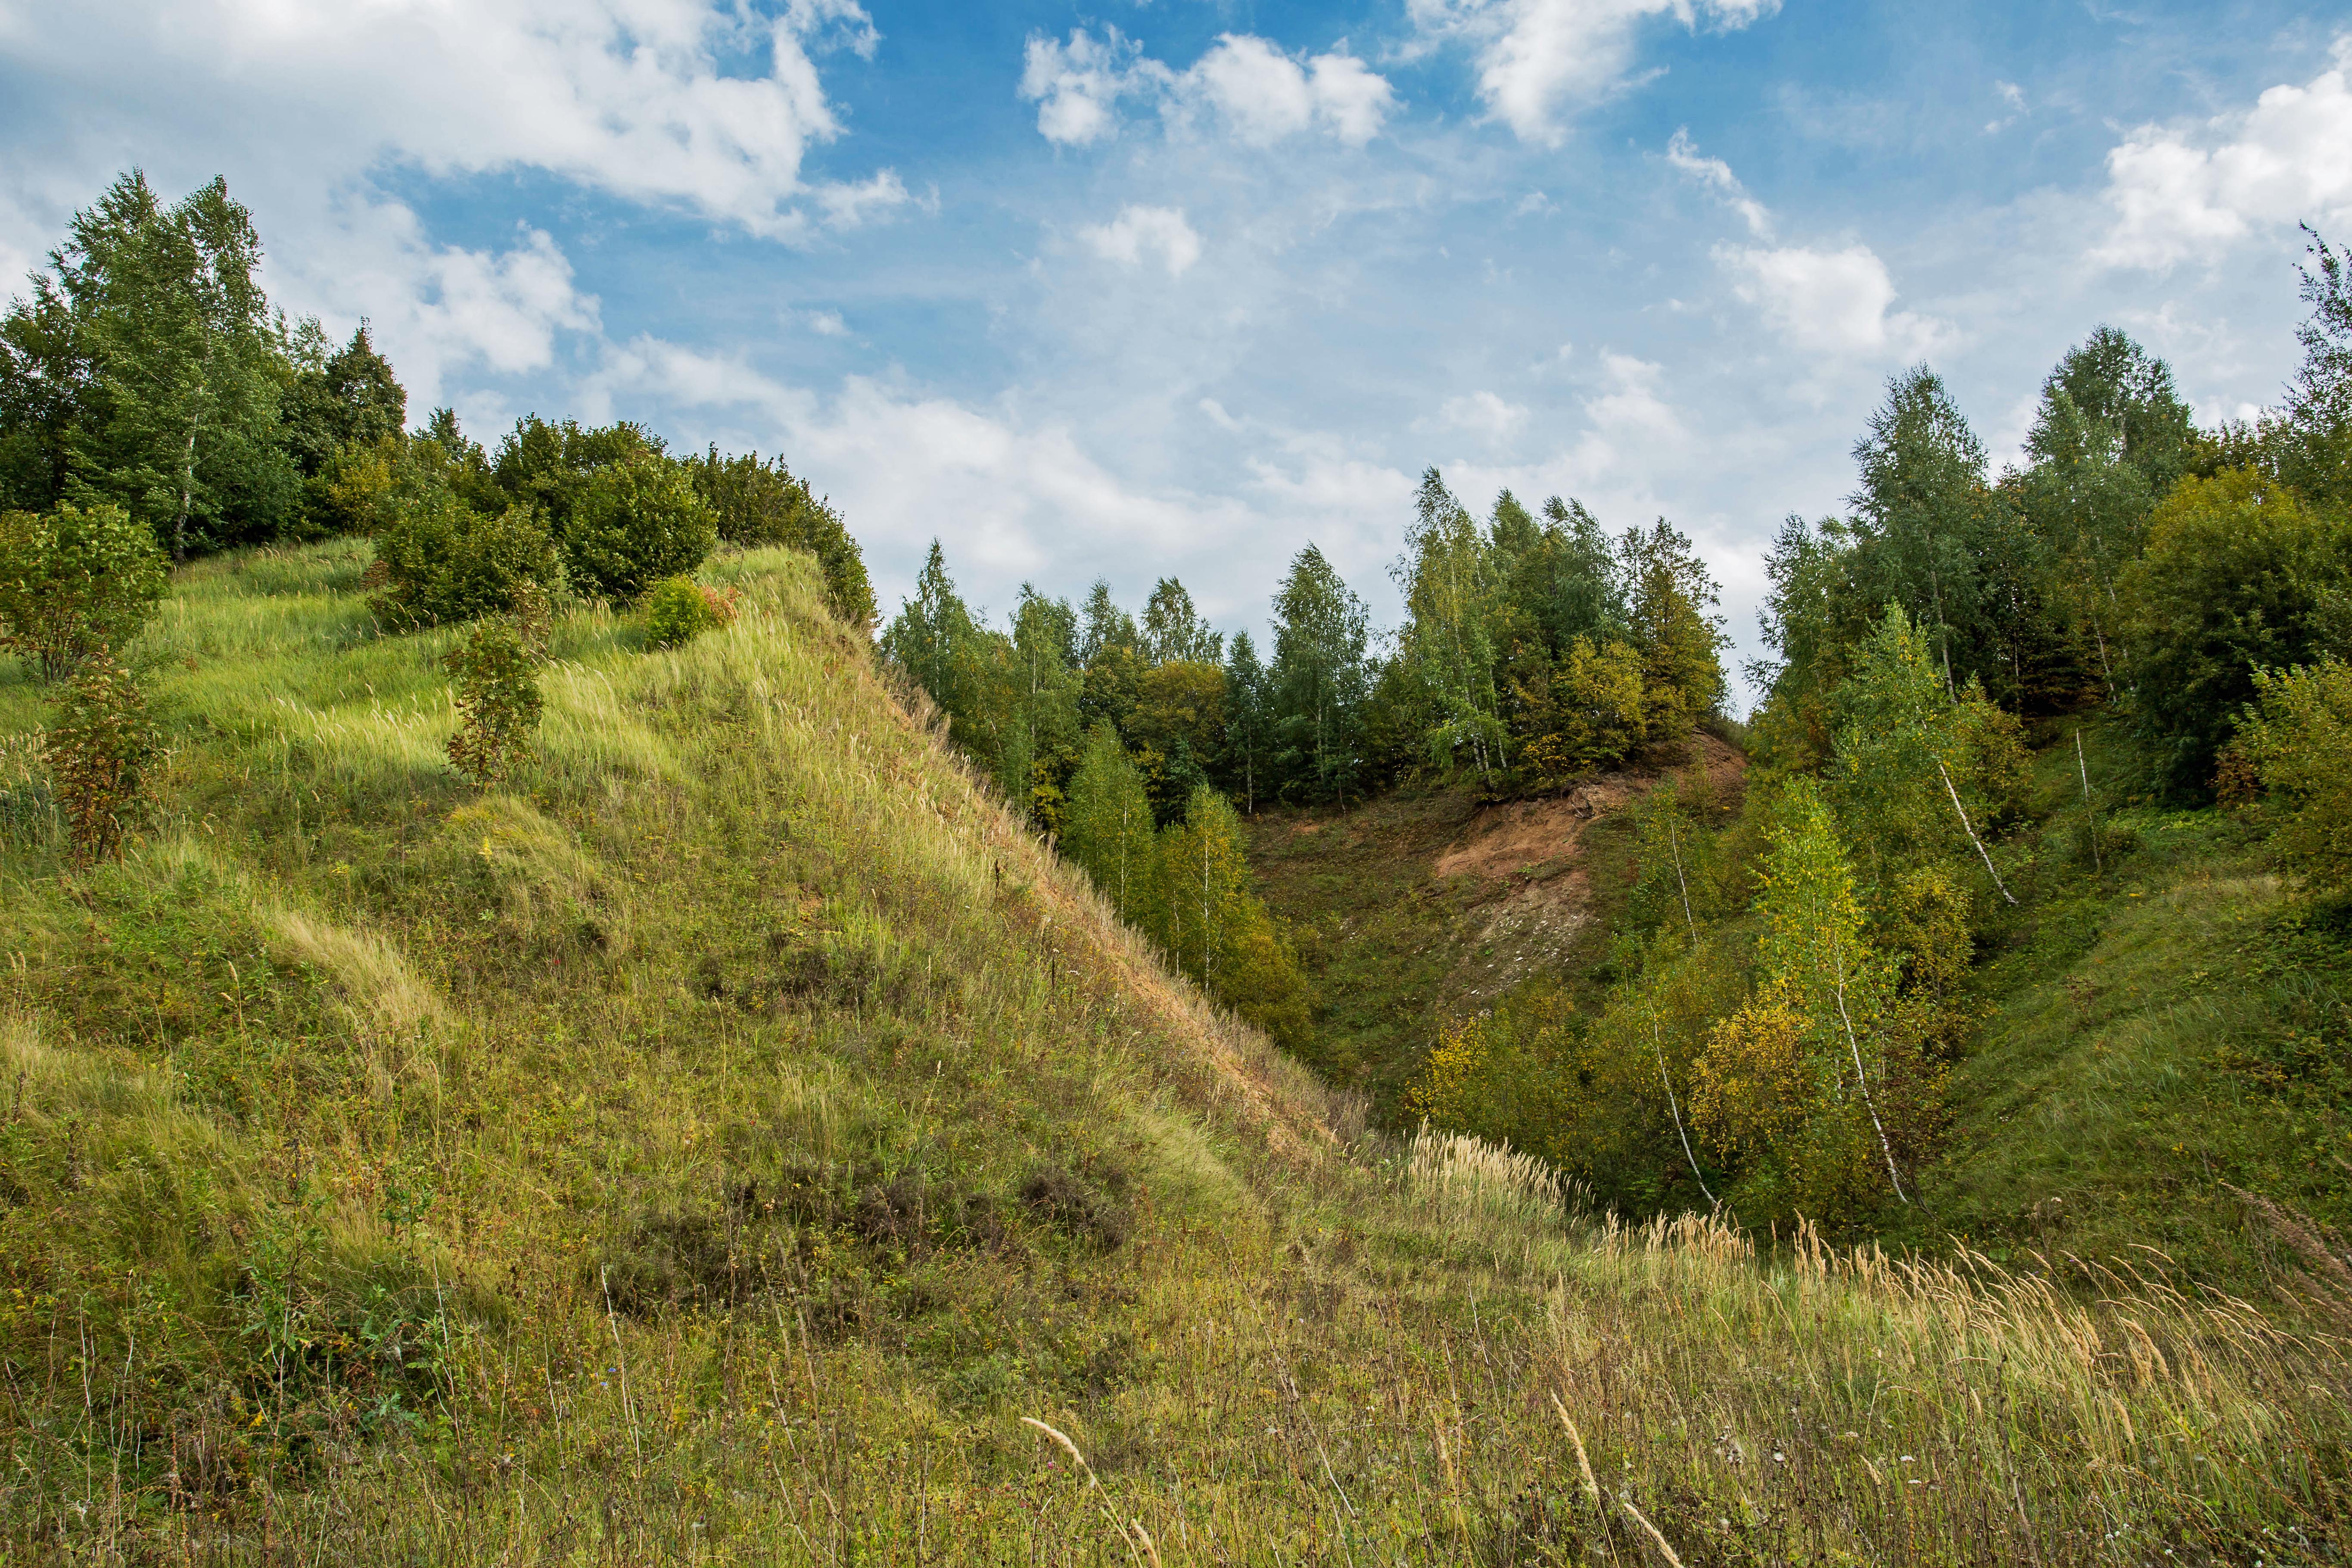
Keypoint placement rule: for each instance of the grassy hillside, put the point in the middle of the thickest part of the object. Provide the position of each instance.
(723, 1144)
(2158, 1056)
(2161, 1057)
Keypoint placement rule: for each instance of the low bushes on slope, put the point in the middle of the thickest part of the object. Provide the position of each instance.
(711, 1144)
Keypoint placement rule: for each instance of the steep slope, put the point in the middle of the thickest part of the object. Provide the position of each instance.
(1410, 910)
(2160, 1060)
(713, 1145)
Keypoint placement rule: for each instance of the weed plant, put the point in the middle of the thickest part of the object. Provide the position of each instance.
(735, 1139)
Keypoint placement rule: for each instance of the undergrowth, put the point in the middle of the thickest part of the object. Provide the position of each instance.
(710, 1144)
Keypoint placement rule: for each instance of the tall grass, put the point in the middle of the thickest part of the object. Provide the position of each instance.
(728, 1142)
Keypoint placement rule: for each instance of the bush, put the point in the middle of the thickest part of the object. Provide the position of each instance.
(2237, 575)
(754, 502)
(74, 581)
(99, 750)
(631, 524)
(2296, 741)
(496, 675)
(443, 562)
(679, 610)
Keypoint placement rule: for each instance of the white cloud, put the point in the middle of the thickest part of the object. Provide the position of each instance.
(1838, 303)
(1140, 232)
(645, 100)
(2012, 95)
(1482, 413)
(1076, 86)
(1716, 175)
(2188, 192)
(437, 310)
(1538, 58)
(1250, 87)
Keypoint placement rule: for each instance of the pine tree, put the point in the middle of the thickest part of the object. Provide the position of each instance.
(1680, 643)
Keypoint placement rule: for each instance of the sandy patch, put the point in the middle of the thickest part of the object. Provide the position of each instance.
(1516, 836)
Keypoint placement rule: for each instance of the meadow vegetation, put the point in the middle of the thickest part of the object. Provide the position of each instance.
(527, 1037)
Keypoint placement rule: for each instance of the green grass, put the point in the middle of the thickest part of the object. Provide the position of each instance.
(2160, 1027)
(713, 1145)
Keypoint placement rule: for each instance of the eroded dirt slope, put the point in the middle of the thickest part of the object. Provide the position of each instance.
(1410, 911)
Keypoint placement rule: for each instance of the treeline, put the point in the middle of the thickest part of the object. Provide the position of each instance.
(146, 374)
(1788, 995)
(1535, 650)
(153, 405)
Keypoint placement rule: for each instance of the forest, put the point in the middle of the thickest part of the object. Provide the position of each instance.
(535, 1029)
(1790, 983)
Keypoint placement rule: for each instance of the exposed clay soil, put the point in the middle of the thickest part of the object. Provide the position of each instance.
(1531, 894)
(1414, 908)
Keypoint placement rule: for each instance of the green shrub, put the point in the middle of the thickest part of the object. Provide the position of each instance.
(74, 581)
(496, 674)
(99, 752)
(631, 524)
(2296, 742)
(2237, 576)
(679, 610)
(755, 502)
(443, 562)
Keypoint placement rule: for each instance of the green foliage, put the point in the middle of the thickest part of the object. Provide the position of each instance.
(1249, 730)
(1669, 592)
(100, 747)
(73, 581)
(2312, 436)
(177, 422)
(1172, 632)
(1178, 729)
(1446, 653)
(443, 562)
(2239, 573)
(1318, 682)
(1588, 712)
(1213, 927)
(632, 523)
(1108, 825)
(755, 503)
(547, 464)
(1905, 750)
(680, 609)
(341, 401)
(2296, 742)
(1816, 1081)
(496, 672)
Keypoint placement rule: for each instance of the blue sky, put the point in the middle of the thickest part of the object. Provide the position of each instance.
(1175, 288)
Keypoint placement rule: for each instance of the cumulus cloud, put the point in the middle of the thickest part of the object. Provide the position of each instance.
(1245, 85)
(1537, 58)
(2188, 192)
(648, 100)
(1837, 303)
(1139, 232)
(436, 311)
(1482, 413)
